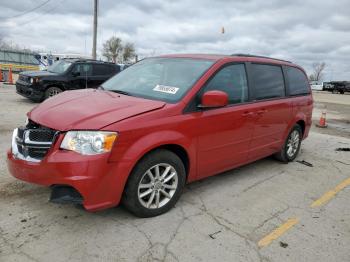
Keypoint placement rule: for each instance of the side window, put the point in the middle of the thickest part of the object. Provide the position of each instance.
(116, 69)
(232, 80)
(297, 81)
(83, 69)
(268, 81)
(101, 70)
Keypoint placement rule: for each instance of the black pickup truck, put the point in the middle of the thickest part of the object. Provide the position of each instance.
(66, 74)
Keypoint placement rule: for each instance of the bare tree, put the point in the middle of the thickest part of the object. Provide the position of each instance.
(128, 52)
(112, 49)
(317, 73)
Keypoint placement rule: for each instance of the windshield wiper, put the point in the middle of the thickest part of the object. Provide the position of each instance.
(121, 92)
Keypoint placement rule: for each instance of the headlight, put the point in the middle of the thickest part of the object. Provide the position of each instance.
(34, 80)
(89, 142)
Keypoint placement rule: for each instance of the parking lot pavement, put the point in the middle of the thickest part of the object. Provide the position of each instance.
(328, 97)
(337, 108)
(264, 211)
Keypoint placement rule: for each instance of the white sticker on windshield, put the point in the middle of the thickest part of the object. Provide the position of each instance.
(166, 89)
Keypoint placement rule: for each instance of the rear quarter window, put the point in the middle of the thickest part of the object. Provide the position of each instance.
(100, 69)
(297, 82)
(268, 81)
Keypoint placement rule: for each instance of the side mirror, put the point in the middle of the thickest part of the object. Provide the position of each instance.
(75, 74)
(214, 98)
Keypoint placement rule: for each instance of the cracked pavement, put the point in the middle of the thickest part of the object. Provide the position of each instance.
(240, 206)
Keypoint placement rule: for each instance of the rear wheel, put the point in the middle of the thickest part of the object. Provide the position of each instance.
(155, 184)
(52, 91)
(291, 146)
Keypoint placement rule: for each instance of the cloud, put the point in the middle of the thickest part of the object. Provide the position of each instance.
(301, 31)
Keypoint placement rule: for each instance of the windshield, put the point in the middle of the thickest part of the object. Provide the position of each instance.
(165, 79)
(59, 67)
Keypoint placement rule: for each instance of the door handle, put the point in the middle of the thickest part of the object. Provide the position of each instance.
(248, 114)
(261, 112)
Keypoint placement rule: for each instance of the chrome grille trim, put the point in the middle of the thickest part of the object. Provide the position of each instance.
(25, 149)
(15, 152)
(31, 142)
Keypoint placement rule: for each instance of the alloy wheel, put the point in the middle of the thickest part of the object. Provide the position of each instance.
(54, 92)
(157, 186)
(293, 143)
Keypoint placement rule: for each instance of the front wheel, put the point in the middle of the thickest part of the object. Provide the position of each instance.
(155, 184)
(291, 146)
(52, 91)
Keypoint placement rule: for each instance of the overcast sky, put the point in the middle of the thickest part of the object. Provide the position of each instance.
(304, 31)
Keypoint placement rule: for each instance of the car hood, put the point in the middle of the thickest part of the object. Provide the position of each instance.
(38, 73)
(89, 109)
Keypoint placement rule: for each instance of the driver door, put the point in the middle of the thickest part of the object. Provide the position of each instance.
(80, 76)
(224, 134)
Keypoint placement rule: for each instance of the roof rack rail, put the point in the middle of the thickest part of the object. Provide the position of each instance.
(259, 56)
(81, 59)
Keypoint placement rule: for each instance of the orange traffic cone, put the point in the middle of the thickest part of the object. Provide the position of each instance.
(322, 122)
(1, 80)
(10, 78)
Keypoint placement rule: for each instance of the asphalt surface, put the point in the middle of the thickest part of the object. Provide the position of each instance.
(265, 211)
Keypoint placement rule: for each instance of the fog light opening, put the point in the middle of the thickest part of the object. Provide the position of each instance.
(63, 194)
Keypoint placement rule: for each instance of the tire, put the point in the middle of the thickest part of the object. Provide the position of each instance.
(287, 154)
(342, 92)
(141, 192)
(52, 91)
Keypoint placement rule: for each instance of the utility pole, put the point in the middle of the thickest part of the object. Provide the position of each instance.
(95, 30)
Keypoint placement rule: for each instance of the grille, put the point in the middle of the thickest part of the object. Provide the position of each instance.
(32, 142)
(41, 135)
(37, 153)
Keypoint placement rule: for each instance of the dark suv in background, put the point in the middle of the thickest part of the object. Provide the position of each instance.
(66, 74)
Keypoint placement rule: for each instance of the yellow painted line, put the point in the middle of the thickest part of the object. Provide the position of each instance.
(330, 194)
(278, 232)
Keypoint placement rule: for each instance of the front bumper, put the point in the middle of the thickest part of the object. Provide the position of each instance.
(99, 181)
(28, 91)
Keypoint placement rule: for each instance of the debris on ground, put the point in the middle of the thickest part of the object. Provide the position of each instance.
(283, 244)
(213, 234)
(343, 162)
(345, 149)
(24, 220)
(305, 163)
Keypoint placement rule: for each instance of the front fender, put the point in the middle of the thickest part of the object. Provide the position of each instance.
(133, 152)
(49, 83)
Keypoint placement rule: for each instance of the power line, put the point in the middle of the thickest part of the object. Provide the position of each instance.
(36, 17)
(26, 12)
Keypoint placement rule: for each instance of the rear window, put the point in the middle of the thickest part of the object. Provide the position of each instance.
(268, 81)
(297, 81)
(102, 69)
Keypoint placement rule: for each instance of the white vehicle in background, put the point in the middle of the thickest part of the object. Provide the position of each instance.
(47, 59)
(316, 85)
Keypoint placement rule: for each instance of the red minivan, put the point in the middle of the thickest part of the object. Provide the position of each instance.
(159, 124)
